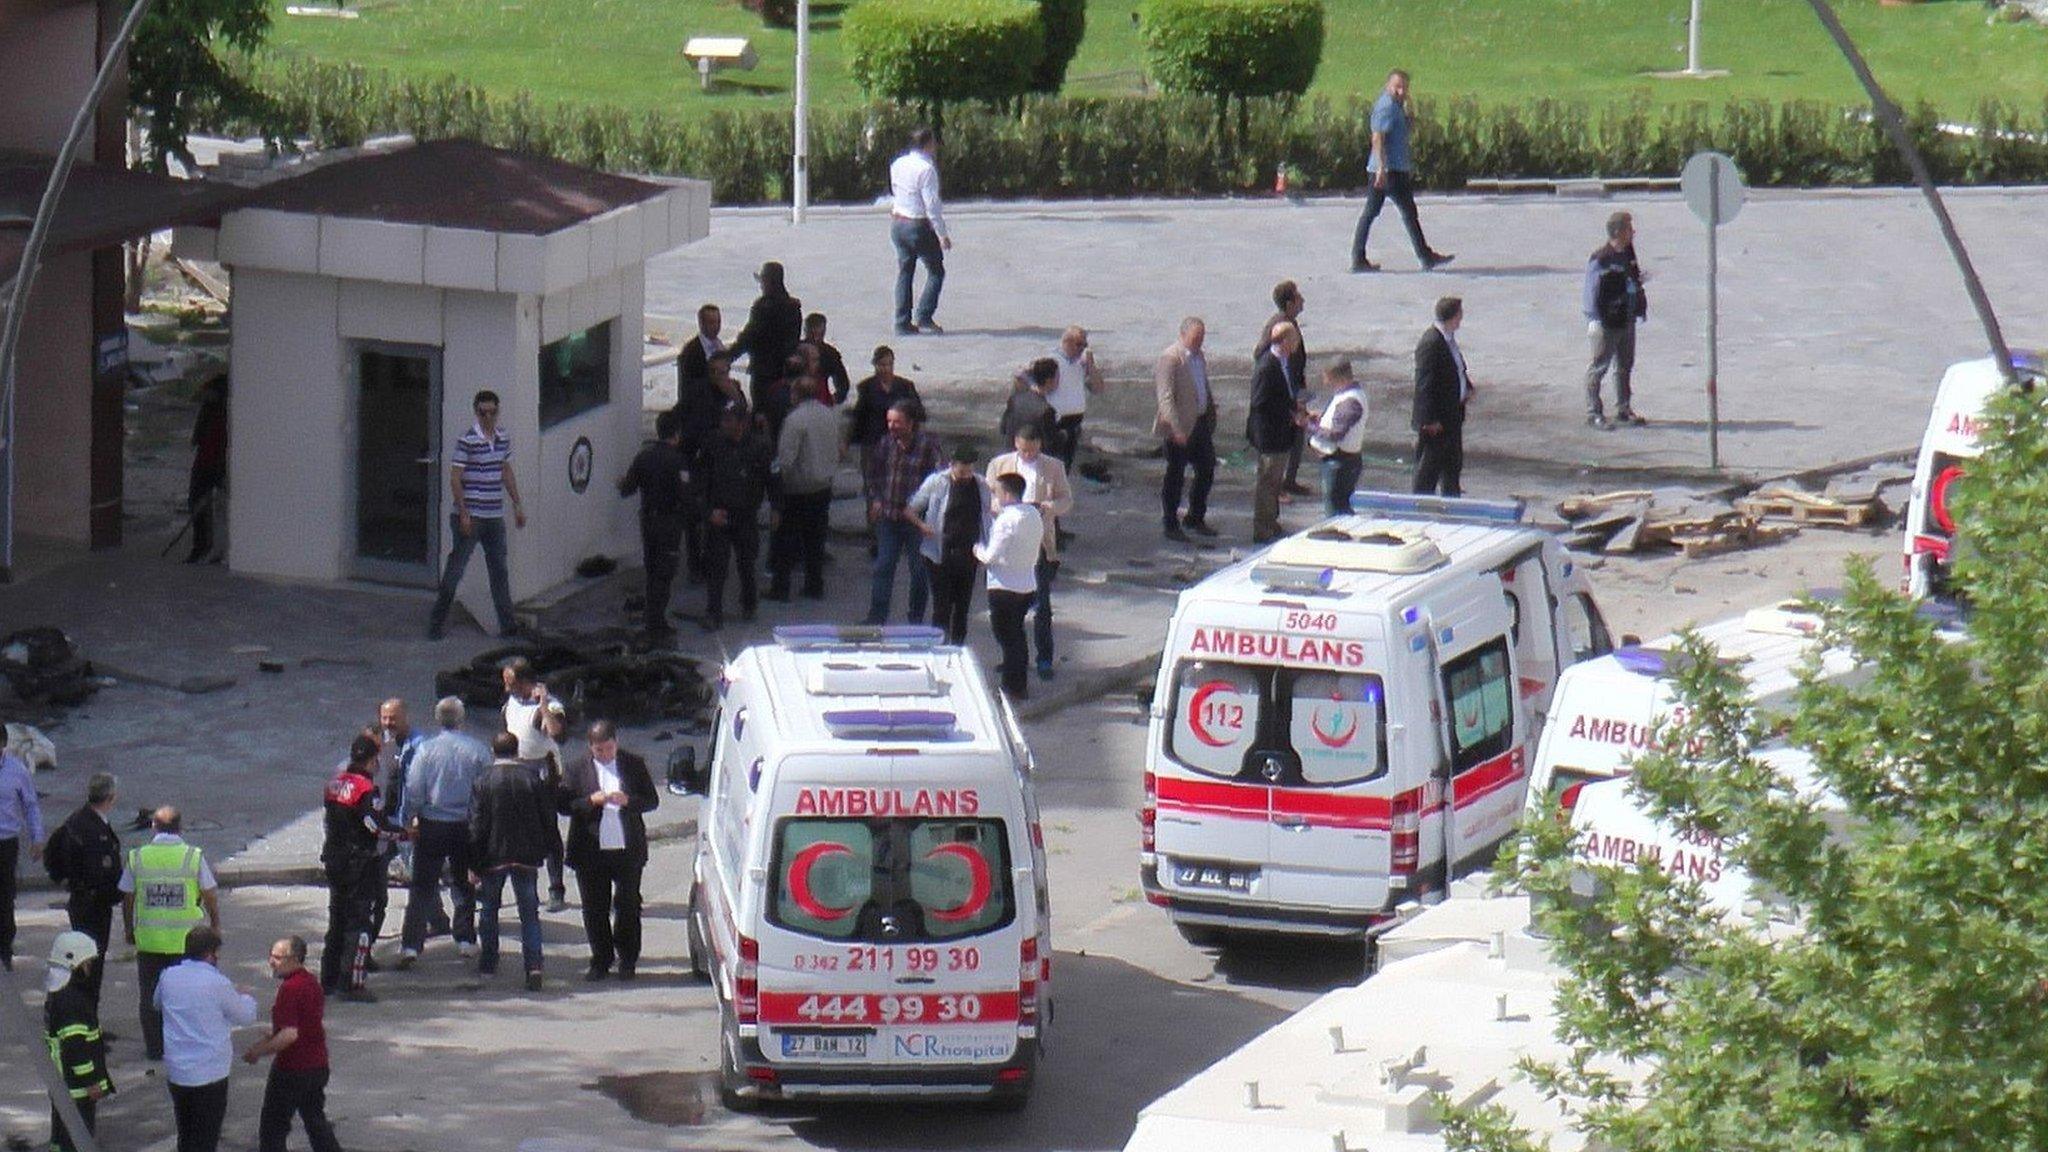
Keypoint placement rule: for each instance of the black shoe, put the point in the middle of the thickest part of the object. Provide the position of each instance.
(1363, 265)
(1174, 533)
(1298, 489)
(196, 558)
(1264, 537)
(436, 632)
(533, 981)
(595, 974)
(1436, 260)
(1629, 418)
(906, 329)
(626, 973)
(1201, 528)
(776, 595)
(814, 593)
(930, 328)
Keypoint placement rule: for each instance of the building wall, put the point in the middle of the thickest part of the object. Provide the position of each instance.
(47, 58)
(54, 473)
(595, 521)
(288, 425)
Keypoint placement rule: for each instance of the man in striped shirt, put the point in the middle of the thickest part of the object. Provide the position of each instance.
(480, 480)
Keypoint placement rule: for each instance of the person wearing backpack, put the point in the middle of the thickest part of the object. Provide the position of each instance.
(1339, 434)
(1613, 300)
(84, 855)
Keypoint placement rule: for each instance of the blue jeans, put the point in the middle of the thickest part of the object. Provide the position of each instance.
(1041, 610)
(917, 240)
(897, 541)
(526, 892)
(490, 532)
(1340, 480)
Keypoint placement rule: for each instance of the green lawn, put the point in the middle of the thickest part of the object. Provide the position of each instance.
(627, 52)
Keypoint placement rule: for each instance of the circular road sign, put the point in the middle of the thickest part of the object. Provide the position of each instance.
(1713, 187)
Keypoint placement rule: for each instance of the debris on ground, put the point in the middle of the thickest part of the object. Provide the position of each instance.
(44, 666)
(32, 747)
(1645, 520)
(595, 675)
(1851, 501)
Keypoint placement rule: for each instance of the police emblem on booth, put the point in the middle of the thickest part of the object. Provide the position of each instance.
(580, 464)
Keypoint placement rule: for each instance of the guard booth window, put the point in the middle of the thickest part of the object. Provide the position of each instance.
(575, 374)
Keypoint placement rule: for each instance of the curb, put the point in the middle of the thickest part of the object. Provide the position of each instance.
(231, 875)
(1092, 685)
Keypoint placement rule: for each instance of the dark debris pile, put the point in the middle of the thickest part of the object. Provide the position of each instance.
(595, 676)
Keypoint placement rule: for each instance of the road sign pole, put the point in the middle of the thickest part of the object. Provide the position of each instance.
(1713, 328)
(1692, 41)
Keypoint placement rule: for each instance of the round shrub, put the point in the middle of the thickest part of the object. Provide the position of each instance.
(1239, 48)
(1065, 22)
(937, 51)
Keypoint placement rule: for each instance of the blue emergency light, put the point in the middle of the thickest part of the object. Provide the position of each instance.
(801, 636)
(892, 722)
(1641, 661)
(1456, 508)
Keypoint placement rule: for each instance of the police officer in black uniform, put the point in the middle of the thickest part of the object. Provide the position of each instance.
(357, 832)
(84, 855)
(660, 475)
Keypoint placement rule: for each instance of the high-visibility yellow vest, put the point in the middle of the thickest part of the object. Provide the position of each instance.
(166, 896)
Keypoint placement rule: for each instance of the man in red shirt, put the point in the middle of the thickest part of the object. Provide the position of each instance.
(298, 1038)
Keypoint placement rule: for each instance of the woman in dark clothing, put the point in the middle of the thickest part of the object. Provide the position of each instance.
(774, 328)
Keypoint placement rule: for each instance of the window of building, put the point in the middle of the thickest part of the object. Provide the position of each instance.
(575, 374)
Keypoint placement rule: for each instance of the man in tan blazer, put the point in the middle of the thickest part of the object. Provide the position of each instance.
(1046, 488)
(1187, 422)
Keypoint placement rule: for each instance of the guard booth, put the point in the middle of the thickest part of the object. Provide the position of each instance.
(374, 297)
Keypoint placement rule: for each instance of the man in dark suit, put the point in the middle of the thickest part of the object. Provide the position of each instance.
(1442, 389)
(1287, 298)
(1271, 426)
(693, 359)
(606, 792)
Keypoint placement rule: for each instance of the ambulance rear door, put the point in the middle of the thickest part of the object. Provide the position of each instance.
(1484, 728)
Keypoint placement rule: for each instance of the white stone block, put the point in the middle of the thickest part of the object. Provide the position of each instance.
(565, 258)
(631, 222)
(654, 216)
(270, 240)
(462, 258)
(399, 313)
(522, 264)
(604, 244)
(373, 250)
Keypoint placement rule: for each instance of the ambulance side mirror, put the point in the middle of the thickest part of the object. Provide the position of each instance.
(685, 778)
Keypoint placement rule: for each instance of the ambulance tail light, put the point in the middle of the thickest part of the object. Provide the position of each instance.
(1148, 816)
(1028, 970)
(1569, 799)
(746, 996)
(1407, 832)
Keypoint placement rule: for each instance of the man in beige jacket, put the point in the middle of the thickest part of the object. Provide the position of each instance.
(1046, 488)
(1187, 423)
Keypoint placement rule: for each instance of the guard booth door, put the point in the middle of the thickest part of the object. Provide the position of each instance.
(397, 536)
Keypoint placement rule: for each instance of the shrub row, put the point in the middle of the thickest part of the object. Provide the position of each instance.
(935, 52)
(1240, 48)
(1163, 146)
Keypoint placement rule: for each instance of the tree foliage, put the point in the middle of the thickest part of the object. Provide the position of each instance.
(177, 79)
(1899, 1002)
(1240, 48)
(933, 52)
(1066, 22)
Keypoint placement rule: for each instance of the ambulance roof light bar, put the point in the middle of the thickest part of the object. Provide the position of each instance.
(1452, 508)
(799, 637)
(898, 723)
(1293, 578)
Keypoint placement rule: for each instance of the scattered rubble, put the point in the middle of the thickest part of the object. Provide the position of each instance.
(596, 675)
(1695, 524)
(45, 667)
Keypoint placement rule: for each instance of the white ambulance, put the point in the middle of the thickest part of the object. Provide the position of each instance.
(1607, 711)
(1345, 718)
(869, 896)
(1946, 449)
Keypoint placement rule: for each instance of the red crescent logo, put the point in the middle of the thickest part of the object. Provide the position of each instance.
(978, 883)
(1195, 709)
(1938, 497)
(800, 880)
(1337, 737)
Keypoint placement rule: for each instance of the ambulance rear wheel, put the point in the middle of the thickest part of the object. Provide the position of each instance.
(1200, 935)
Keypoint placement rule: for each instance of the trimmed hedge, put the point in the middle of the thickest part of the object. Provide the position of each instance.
(1241, 48)
(932, 52)
(1166, 146)
(1066, 21)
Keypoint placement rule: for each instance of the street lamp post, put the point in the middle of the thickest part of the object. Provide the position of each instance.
(800, 177)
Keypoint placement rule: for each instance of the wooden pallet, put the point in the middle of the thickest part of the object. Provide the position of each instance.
(1734, 538)
(1804, 509)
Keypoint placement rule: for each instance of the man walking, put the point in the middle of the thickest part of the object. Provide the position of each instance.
(201, 1009)
(439, 793)
(806, 459)
(167, 890)
(479, 482)
(1187, 424)
(660, 476)
(734, 468)
(917, 227)
(84, 855)
(1392, 170)
(897, 464)
(1271, 426)
(1442, 389)
(357, 830)
(527, 707)
(1045, 489)
(298, 1039)
(952, 510)
(1015, 542)
(1614, 302)
(508, 841)
(1289, 302)
(71, 1027)
(21, 819)
(607, 794)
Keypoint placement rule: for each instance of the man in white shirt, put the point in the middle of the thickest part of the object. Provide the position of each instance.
(917, 226)
(525, 700)
(1015, 540)
(1077, 378)
(606, 794)
(201, 1010)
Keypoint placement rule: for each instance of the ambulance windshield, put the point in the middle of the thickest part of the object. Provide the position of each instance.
(891, 880)
(1333, 722)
